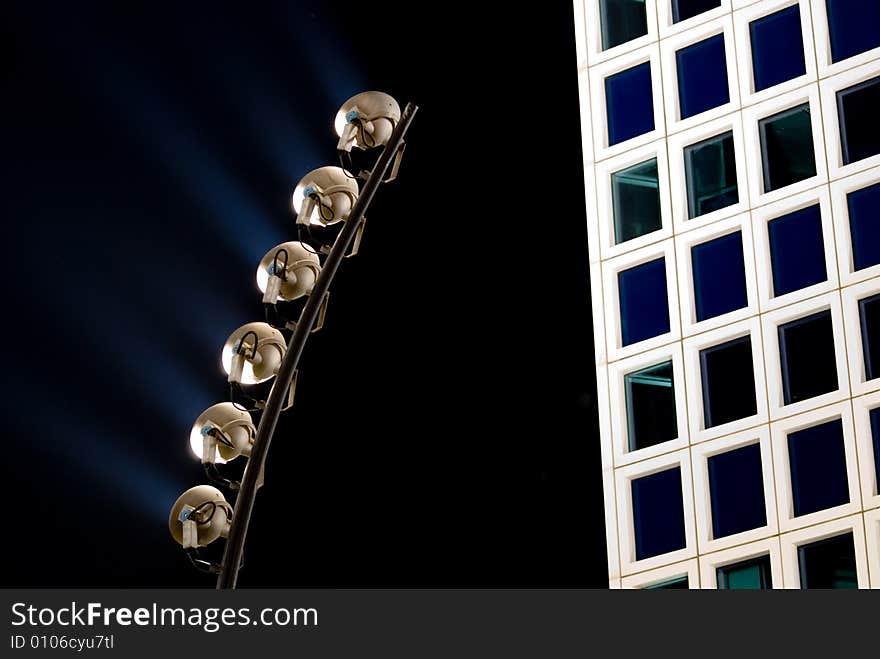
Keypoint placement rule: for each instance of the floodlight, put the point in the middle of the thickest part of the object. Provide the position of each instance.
(253, 353)
(222, 433)
(199, 516)
(288, 271)
(324, 196)
(366, 120)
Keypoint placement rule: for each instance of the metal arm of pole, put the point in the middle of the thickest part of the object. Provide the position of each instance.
(244, 503)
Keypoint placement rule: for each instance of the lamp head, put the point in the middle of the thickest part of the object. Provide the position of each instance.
(253, 353)
(366, 120)
(226, 424)
(205, 505)
(295, 264)
(324, 196)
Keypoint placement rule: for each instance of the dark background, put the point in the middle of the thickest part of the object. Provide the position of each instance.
(445, 429)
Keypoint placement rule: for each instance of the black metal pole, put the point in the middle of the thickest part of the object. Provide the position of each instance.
(244, 503)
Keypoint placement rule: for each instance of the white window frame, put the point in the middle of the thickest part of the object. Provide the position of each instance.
(692, 347)
(843, 235)
(619, 419)
(689, 568)
(593, 33)
(779, 432)
(668, 28)
(752, 115)
(668, 50)
(702, 494)
(822, 36)
(624, 477)
(604, 170)
(684, 243)
(872, 534)
(709, 563)
(598, 105)
(790, 542)
(855, 347)
(741, 26)
(770, 322)
(828, 89)
(678, 179)
(761, 217)
(862, 407)
(610, 270)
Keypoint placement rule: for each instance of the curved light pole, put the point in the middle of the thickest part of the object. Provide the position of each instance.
(244, 503)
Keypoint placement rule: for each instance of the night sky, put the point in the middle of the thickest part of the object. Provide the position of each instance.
(445, 429)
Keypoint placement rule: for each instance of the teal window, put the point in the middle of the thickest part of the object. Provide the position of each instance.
(650, 406)
(787, 153)
(829, 563)
(710, 174)
(678, 583)
(635, 195)
(622, 21)
(753, 574)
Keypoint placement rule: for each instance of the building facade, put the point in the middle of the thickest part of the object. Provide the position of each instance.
(732, 168)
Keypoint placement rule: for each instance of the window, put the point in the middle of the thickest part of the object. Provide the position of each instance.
(650, 406)
(753, 574)
(728, 381)
(702, 76)
(635, 195)
(797, 253)
(852, 26)
(719, 276)
(817, 459)
(673, 584)
(777, 48)
(874, 415)
(644, 310)
(864, 227)
(685, 9)
(869, 315)
(829, 563)
(622, 21)
(736, 491)
(629, 103)
(859, 129)
(710, 172)
(787, 147)
(658, 513)
(806, 353)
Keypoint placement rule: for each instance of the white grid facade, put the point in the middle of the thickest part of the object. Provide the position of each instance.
(840, 294)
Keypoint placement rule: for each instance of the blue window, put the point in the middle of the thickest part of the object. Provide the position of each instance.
(869, 314)
(710, 174)
(702, 76)
(852, 26)
(685, 9)
(787, 152)
(859, 128)
(629, 103)
(736, 490)
(753, 574)
(728, 381)
(719, 276)
(797, 253)
(650, 406)
(644, 310)
(635, 194)
(874, 415)
(806, 353)
(679, 583)
(864, 226)
(817, 459)
(622, 21)
(777, 48)
(658, 513)
(829, 563)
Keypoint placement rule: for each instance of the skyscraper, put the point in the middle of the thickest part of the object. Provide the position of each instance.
(732, 168)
